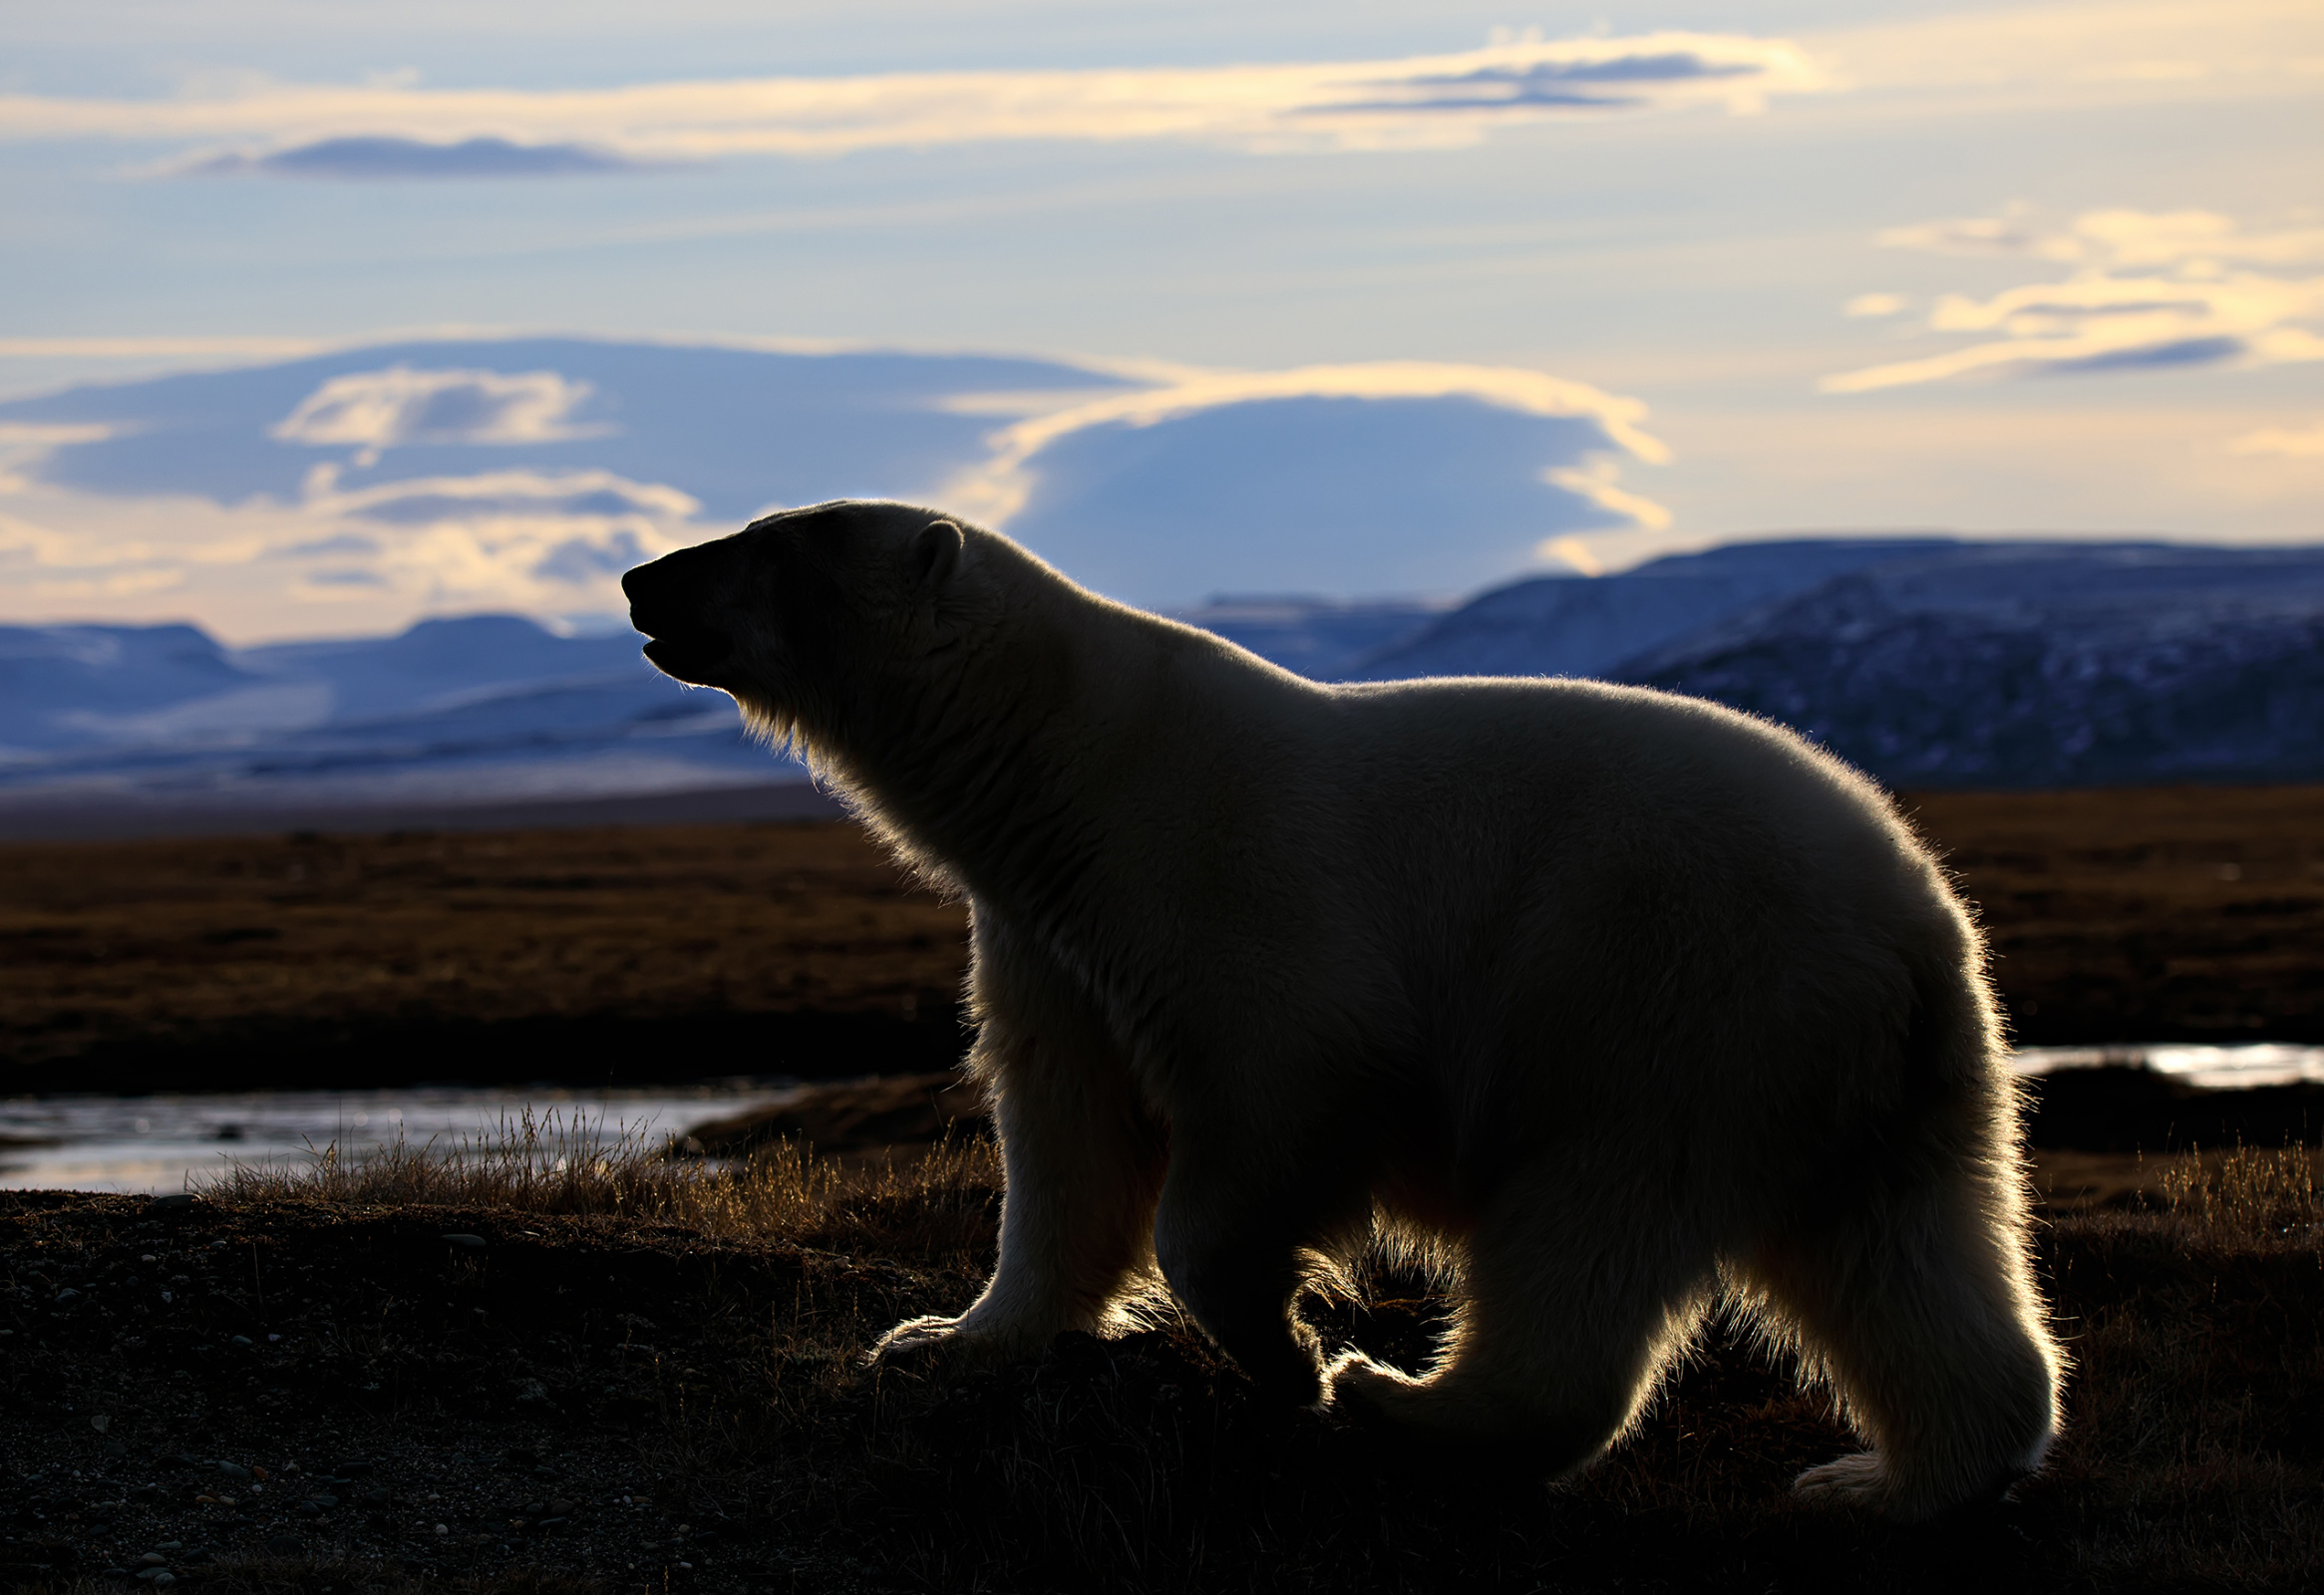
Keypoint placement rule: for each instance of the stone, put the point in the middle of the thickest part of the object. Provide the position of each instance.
(282, 1546)
(469, 1242)
(234, 1470)
(242, 1339)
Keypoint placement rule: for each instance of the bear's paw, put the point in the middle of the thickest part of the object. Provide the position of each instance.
(951, 1345)
(1858, 1481)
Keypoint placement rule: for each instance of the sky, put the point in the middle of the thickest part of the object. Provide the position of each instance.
(1347, 298)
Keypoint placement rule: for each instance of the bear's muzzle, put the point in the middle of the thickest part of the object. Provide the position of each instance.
(670, 602)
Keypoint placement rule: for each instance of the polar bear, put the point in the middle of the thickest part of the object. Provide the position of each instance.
(1618, 1000)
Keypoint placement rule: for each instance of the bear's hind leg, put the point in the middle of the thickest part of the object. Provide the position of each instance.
(1237, 1233)
(1573, 1300)
(1920, 1305)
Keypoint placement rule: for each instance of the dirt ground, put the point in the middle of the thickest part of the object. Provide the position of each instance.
(326, 1396)
(2137, 915)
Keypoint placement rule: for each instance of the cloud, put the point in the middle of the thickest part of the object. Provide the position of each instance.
(377, 157)
(997, 488)
(1435, 100)
(24, 445)
(2302, 444)
(2114, 239)
(1392, 477)
(244, 497)
(162, 348)
(1874, 305)
(376, 409)
(2158, 291)
(538, 540)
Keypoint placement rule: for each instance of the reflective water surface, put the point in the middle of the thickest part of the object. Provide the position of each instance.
(176, 1142)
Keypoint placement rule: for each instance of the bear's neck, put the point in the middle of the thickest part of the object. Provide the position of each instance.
(1007, 782)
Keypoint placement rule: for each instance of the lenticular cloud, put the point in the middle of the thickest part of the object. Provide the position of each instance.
(368, 486)
(2152, 291)
(383, 409)
(1415, 101)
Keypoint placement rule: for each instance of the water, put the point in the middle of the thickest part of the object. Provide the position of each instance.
(178, 1142)
(2206, 1068)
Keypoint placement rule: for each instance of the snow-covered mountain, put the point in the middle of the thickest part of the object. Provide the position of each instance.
(2031, 665)
(1933, 662)
(483, 709)
(1590, 626)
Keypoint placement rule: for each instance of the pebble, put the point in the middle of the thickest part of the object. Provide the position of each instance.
(68, 1294)
(152, 1559)
(234, 1470)
(472, 1242)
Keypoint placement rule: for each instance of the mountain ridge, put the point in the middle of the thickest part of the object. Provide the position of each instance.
(1925, 661)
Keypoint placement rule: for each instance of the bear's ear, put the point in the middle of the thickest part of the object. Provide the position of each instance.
(935, 555)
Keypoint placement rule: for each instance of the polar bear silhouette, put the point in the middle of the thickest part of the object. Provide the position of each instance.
(1616, 1000)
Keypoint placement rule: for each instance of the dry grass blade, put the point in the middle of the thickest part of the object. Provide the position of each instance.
(920, 1204)
(2248, 1195)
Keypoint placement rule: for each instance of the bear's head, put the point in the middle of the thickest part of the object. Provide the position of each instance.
(811, 617)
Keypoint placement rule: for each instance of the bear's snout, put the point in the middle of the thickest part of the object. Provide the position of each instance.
(669, 601)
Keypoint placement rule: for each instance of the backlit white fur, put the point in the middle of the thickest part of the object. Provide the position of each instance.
(1614, 1000)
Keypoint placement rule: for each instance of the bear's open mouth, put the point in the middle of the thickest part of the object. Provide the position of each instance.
(703, 662)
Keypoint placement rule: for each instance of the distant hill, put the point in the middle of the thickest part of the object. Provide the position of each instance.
(1927, 662)
(485, 709)
(1591, 626)
(1941, 663)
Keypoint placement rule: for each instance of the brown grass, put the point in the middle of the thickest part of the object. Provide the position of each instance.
(2115, 916)
(2192, 913)
(181, 943)
(927, 1203)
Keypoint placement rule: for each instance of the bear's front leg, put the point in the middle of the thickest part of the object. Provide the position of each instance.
(1083, 1160)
